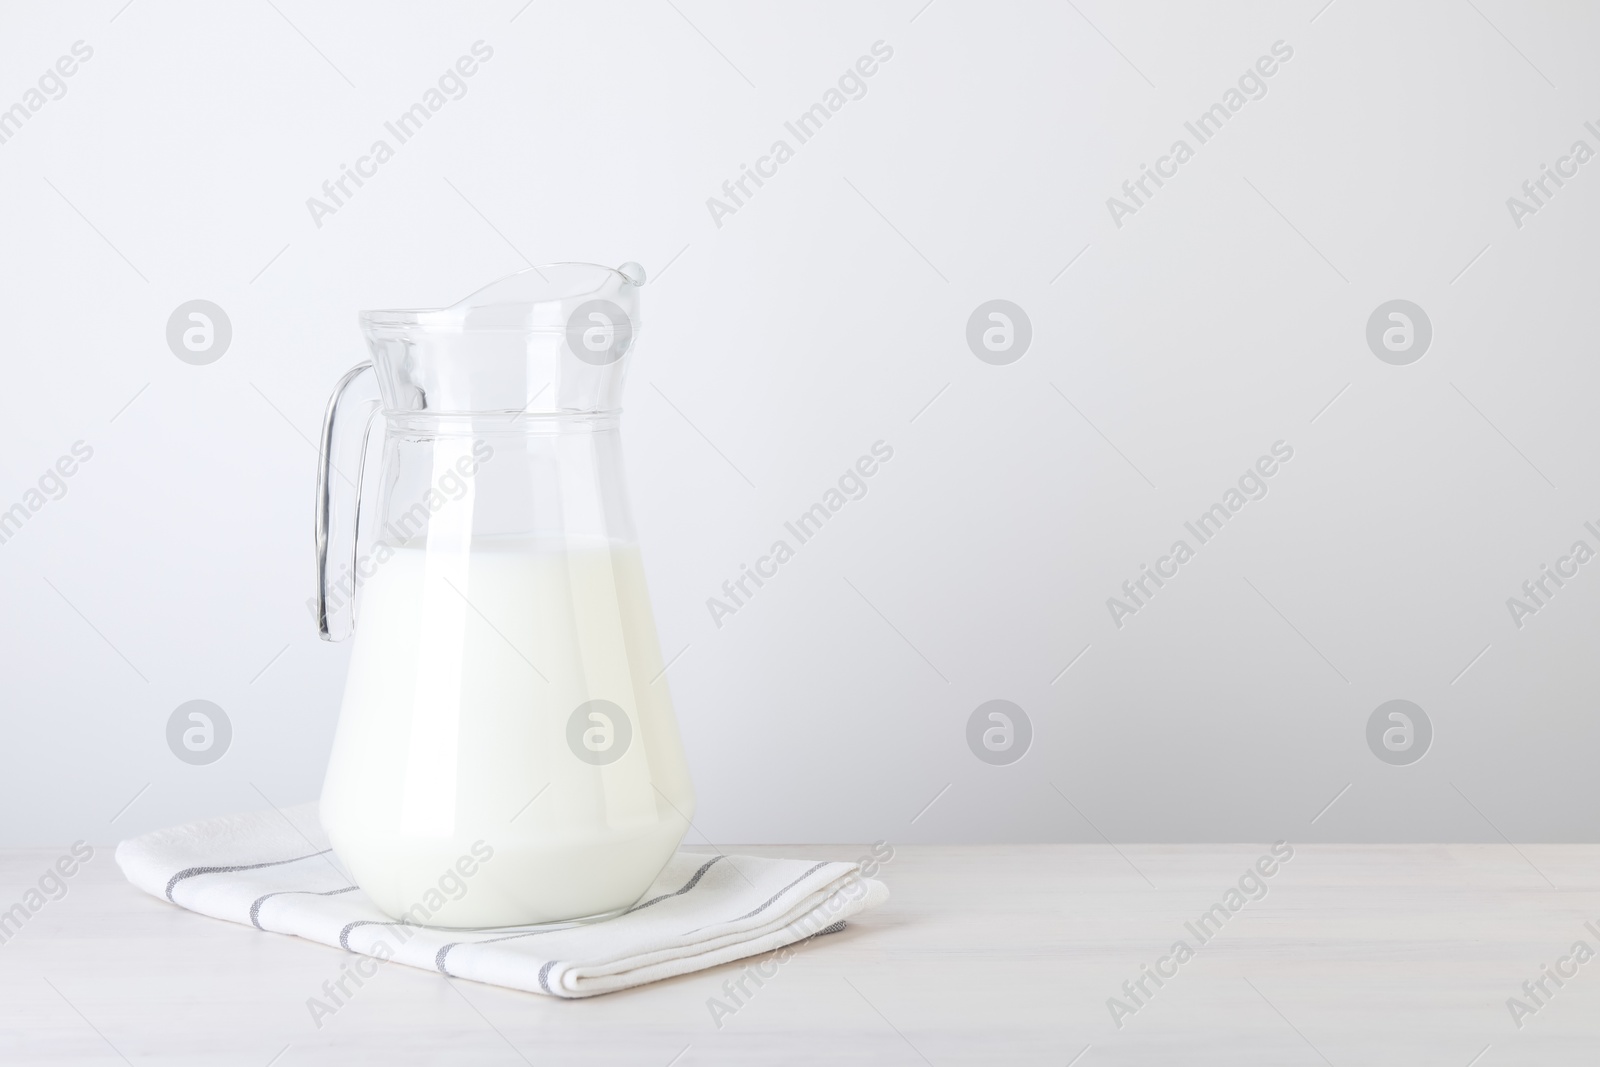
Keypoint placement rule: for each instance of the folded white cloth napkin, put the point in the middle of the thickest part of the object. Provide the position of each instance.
(275, 871)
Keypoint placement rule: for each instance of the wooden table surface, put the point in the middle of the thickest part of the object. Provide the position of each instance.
(1391, 954)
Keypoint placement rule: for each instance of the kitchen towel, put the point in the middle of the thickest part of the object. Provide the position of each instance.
(274, 870)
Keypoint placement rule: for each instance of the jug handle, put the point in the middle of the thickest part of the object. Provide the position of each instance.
(331, 429)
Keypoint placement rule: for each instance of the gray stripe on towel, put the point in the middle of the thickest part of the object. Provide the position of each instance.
(694, 880)
(344, 934)
(190, 872)
(770, 900)
(255, 907)
(690, 884)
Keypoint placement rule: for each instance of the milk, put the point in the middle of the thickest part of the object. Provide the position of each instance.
(468, 666)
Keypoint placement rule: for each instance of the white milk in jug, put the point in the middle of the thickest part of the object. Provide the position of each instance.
(506, 715)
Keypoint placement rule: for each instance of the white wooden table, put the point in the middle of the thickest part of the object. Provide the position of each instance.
(1398, 954)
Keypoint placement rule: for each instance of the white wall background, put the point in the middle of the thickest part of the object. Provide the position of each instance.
(823, 316)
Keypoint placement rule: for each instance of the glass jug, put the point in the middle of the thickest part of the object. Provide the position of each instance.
(506, 752)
